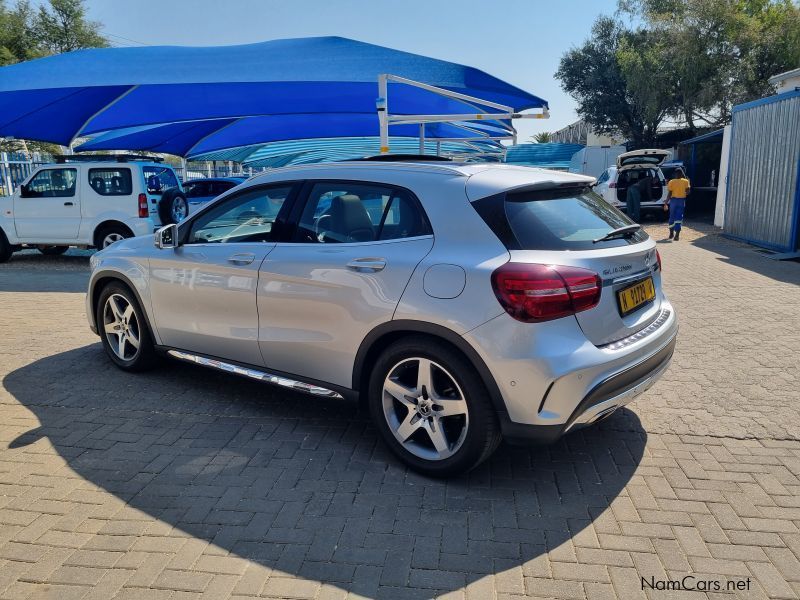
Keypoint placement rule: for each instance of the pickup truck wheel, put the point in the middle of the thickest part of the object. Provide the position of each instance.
(431, 407)
(123, 329)
(173, 207)
(108, 235)
(52, 250)
(5, 248)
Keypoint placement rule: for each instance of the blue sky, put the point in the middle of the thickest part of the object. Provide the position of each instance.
(520, 41)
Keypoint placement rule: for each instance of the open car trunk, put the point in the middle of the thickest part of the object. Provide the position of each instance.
(628, 177)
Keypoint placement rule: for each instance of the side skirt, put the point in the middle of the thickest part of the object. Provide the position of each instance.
(278, 379)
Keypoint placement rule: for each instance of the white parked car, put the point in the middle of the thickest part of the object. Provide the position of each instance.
(631, 168)
(89, 201)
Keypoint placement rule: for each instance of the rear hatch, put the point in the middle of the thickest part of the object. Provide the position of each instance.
(642, 158)
(559, 226)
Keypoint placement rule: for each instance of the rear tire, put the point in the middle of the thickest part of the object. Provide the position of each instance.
(173, 207)
(105, 236)
(123, 329)
(52, 250)
(431, 407)
(5, 248)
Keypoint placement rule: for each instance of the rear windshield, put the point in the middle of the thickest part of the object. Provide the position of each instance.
(554, 220)
(159, 179)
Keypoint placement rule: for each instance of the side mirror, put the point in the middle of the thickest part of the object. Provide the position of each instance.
(24, 190)
(167, 237)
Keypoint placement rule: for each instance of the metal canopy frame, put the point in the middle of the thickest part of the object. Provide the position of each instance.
(500, 118)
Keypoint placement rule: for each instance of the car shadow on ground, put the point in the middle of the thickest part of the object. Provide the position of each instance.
(304, 486)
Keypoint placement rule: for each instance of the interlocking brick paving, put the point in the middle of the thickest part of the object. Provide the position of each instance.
(184, 483)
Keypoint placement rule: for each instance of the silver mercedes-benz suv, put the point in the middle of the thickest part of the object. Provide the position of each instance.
(462, 303)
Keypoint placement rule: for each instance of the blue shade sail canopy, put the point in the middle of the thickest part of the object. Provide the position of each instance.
(89, 91)
(189, 138)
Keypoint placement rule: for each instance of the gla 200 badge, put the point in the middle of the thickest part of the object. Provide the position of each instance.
(616, 270)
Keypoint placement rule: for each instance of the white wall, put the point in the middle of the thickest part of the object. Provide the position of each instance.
(722, 186)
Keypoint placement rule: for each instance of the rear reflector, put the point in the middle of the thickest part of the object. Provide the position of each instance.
(144, 210)
(533, 293)
(612, 185)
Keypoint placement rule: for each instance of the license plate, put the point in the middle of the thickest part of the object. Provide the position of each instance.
(634, 296)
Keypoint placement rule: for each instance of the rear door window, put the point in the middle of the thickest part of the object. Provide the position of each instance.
(554, 220)
(346, 212)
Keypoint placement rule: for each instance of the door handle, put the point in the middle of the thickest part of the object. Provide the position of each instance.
(367, 265)
(242, 259)
(69, 204)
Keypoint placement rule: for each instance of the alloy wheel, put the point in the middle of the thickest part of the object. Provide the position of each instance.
(111, 238)
(121, 327)
(179, 209)
(425, 409)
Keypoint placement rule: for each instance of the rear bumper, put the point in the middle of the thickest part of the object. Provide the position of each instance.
(607, 396)
(550, 379)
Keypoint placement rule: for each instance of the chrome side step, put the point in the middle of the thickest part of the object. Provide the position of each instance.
(255, 374)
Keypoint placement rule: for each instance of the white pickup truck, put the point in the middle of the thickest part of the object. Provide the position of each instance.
(89, 201)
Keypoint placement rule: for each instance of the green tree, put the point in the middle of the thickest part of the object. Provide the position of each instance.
(63, 27)
(611, 77)
(543, 137)
(722, 52)
(59, 26)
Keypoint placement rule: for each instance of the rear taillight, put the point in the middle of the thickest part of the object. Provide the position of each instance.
(532, 293)
(612, 185)
(658, 260)
(144, 210)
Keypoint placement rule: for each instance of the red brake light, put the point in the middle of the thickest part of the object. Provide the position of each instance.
(612, 185)
(658, 260)
(144, 210)
(532, 293)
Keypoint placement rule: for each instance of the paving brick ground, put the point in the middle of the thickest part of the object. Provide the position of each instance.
(183, 483)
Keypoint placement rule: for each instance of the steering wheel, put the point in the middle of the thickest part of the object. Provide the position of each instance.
(318, 231)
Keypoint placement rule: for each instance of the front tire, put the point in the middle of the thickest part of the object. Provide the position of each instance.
(123, 329)
(5, 248)
(52, 250)
(431, 408)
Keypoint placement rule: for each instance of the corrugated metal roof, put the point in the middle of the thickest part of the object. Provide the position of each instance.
(546, 156)
(295, 152)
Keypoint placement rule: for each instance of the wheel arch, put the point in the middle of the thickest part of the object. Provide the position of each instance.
(385, 334)
(102, 279)
(107, 224)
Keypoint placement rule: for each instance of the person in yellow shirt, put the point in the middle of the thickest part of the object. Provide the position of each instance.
(677, 190)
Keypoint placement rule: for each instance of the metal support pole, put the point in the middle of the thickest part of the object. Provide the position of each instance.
(382, 104)
(184, 171)
(422, 138)
(438, 148)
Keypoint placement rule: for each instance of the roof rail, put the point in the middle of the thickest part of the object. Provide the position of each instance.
(404, 158)
(67, 158)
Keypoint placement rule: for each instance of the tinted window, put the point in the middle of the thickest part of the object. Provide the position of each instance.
(159, 179)
(220, 187)
(357, 212)
(247, 217)
(554, 220)
(111, 182)
(604, 177)
(198, 189)
(51, 183)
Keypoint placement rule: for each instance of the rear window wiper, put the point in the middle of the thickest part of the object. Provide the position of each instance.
(626, 231)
